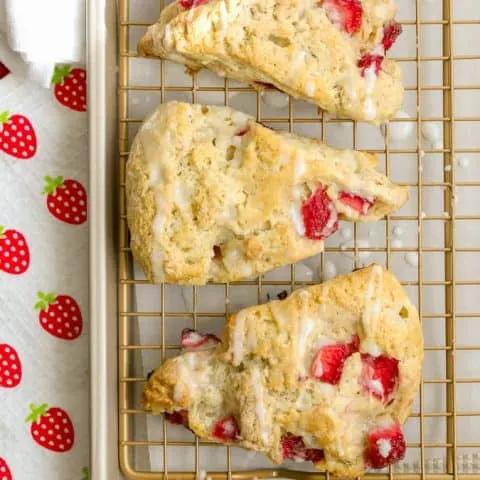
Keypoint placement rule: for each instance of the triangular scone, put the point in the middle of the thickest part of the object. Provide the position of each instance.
(328, 52)
(214, 196)
(327, 375)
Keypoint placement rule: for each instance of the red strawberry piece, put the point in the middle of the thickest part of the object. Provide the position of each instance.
(319, 215)
(4, 71)
(345, 14)
(180, 417)
(385, 445)
(327, 365)
(66, 200)
(193, 339)
(368, 60)
(217, 252)
(17, 136)
(293, 448)
(379, 375)
(14, 252)
(59, 315)
(356, 202)
(10, 367)
(51, 428)
(226, 430)
(71, 87)
(5, 473)
(188, 4)
(391, 31)
(242, 132)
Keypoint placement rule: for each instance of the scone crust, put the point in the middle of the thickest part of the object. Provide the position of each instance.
(261, 344)
(193, 185)
(290, 44)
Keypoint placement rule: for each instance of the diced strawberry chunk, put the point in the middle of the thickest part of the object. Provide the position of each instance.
(368, 60)
(242, 132)
(327, 365)
(379, 375)
(193, 339)
(188, 4)
(345, 14)
(356, 202)
(293, 448)
(180, 417)
(226, 430)
(385, 445)
(391, 31)
(319, 215)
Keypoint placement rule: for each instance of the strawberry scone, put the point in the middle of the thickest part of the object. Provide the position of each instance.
(327, 52)
(214, 196)
(327, 375)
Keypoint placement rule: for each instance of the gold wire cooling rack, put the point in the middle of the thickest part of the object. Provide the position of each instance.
(132, 444)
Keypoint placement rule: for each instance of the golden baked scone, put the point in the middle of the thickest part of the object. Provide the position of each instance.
(327, 375)
(328, 52)
(214, 196)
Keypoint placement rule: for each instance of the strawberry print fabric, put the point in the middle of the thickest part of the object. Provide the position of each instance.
(43, 275)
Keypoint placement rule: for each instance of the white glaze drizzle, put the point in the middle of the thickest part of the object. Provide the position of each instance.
(297, 61)
(384, 447)
(258, 390)
(370, 80)
(412, 258)
(168, 36)
(181, 196)
(237, 339)
(300, 166)
(310, 88)
(370, 347)
(222, 22)
(296, 218)
(187, 379)
(373, 298)
(240, 120)
(305, 329)
(154, 157)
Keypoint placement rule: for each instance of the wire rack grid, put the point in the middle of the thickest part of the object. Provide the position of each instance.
(440, 240)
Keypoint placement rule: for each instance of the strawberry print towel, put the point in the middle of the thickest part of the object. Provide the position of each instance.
(43, 275)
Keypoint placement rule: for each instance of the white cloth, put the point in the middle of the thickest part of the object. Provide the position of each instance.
(55, 371)
(45, 40)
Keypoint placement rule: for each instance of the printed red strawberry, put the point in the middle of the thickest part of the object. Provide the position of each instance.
(345, 14)
(5, 473)
(226, 430)
(17, 136)
(51, 428)
(293, 448)
(4, 71)
(379, 375)
(360, 204)
(14, 252)
(66, 200)
(71, 87)
(385, 445)
(59, 315)
(327, 365)
(180, 417)
(391, 31)
(188, 4)
(194, 340)
(10, 367)
(319, 215)
(368, 60)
